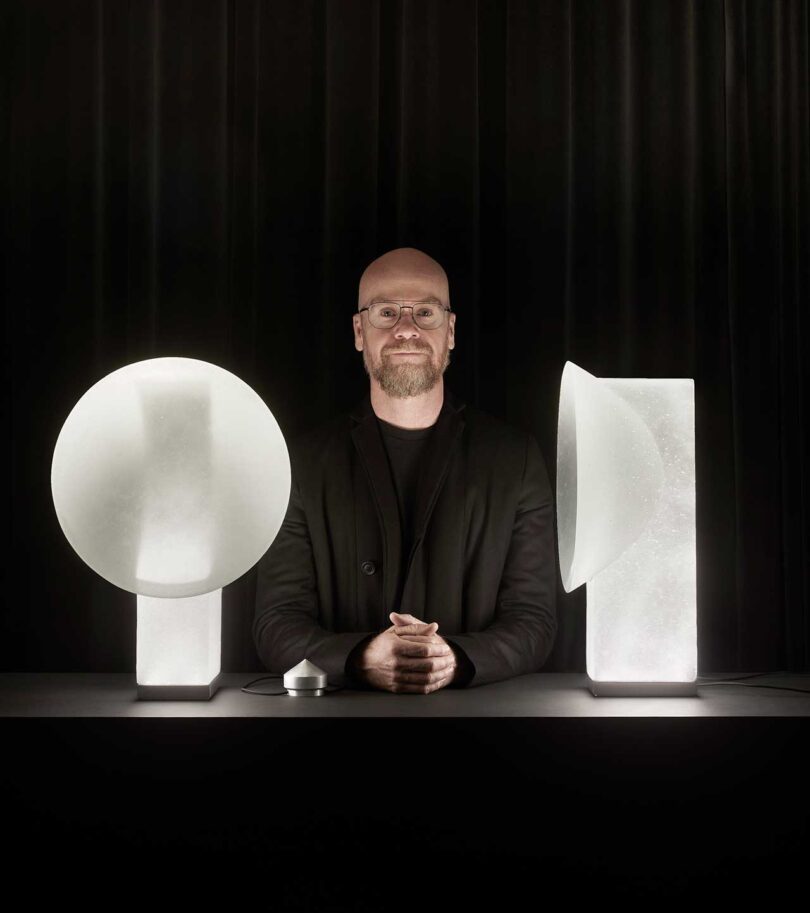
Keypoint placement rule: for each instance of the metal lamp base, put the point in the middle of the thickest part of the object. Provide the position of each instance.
(305, 680)
(179, 692)
(642, 689)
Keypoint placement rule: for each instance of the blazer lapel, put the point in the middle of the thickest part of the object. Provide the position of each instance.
(432, 474)
(369, 444)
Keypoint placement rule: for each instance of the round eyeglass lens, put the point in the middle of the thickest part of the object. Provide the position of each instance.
(384, 315)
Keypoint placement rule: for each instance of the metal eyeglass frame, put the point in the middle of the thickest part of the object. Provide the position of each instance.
(399, 314)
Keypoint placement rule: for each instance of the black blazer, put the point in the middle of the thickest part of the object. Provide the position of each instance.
(482, 564)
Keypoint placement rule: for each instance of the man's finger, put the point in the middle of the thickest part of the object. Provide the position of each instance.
(416, 628)
(408, 647)
(424, 638)
(411, 688)
(402, 618)
(418, 639)
(425, 664)
(421, 678)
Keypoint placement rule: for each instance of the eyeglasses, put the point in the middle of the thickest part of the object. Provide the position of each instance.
(427, 315)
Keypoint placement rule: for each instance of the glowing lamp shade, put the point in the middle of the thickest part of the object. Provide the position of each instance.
(626, 527)
(170, 479)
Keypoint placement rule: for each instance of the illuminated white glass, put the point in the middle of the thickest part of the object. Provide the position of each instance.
(179, 640)
(170, 479)
(626, 522)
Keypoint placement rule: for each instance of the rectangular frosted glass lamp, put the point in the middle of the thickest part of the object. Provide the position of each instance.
(179, 647)
(626, 524)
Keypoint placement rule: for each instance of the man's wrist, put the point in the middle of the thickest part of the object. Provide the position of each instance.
(464, 670)
(353, 667)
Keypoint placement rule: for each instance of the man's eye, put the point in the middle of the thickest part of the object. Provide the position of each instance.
(386, 312)
(426, 312)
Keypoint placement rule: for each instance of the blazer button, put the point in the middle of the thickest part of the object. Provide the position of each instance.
(368, 567)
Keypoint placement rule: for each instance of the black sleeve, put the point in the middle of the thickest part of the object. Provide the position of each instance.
(466, 670)
(286, 625)
(522, 634)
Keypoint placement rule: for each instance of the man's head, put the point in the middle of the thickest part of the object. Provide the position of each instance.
(408, 277)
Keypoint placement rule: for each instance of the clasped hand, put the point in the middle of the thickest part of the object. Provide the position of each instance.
(408, 657)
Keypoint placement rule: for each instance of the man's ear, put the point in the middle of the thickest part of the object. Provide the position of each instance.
(357, 325)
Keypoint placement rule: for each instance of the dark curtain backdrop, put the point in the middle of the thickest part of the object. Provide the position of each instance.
(621, 184)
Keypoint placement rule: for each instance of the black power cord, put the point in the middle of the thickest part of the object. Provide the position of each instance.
(264, 678)
(741, 681)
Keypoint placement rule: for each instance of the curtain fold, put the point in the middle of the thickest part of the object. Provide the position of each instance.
(622, 184)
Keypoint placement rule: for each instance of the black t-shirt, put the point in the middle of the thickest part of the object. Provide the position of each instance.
(405, 447)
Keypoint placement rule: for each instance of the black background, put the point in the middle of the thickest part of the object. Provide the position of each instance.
(624, 185)
(620, 184)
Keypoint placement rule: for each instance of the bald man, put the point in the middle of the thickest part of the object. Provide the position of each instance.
(417, 552)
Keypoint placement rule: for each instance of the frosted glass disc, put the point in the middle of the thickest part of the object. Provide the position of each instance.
(170, 477)
(610, 474)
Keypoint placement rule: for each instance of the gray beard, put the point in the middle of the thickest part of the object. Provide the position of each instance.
(407, 379)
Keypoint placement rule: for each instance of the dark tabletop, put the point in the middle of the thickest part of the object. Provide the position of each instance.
(538, 695)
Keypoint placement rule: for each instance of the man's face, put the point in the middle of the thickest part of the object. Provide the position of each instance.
(402, 375)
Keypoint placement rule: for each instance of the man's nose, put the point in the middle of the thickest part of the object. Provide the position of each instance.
(406, 326)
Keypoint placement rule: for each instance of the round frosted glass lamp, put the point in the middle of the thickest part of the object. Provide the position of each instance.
(171, 479)
(626, 527)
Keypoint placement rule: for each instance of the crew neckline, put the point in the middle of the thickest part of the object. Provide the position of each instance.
(407, 434)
